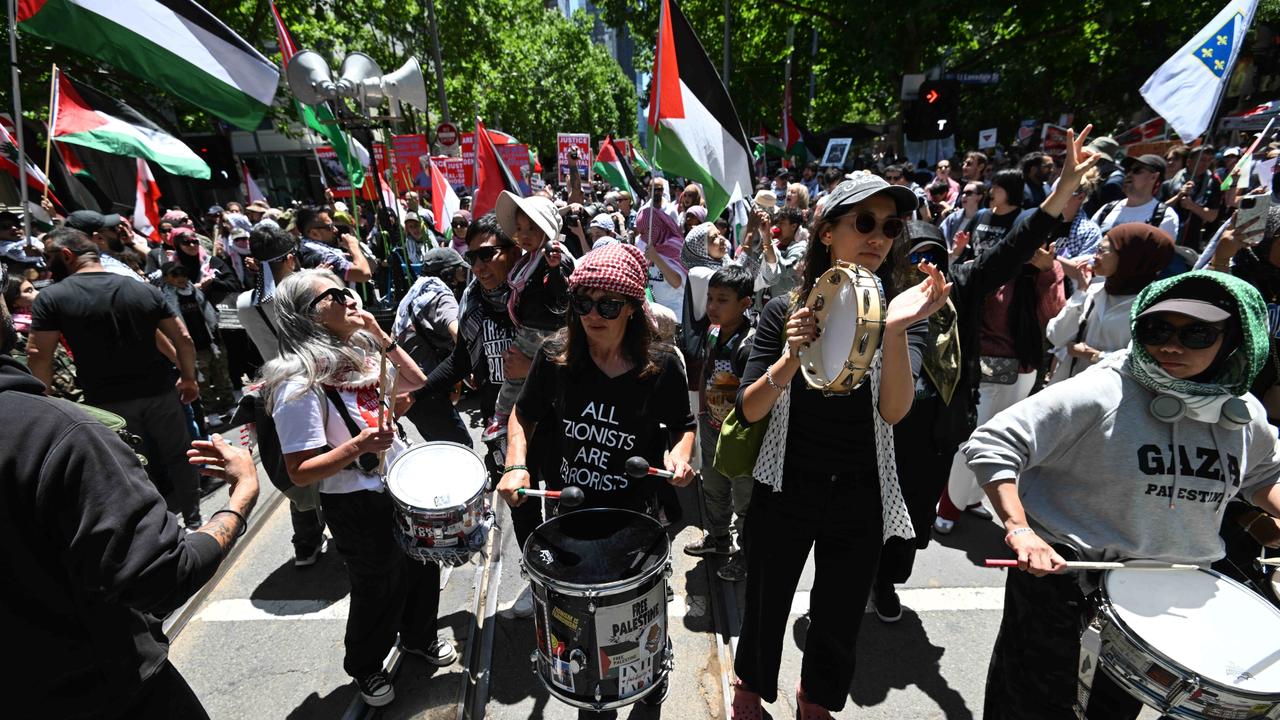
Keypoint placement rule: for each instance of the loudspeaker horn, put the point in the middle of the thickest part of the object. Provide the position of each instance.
(356, 68)
(405, 85)
(309, 78)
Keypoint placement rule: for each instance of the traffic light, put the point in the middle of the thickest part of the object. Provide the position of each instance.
(932, 115)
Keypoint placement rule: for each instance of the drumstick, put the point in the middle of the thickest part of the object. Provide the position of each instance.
(1269, 561)
(638, 467)
(1086, 565)
(382, 405)
(571, 496)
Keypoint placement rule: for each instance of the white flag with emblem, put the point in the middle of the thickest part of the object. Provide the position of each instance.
(1186, 88)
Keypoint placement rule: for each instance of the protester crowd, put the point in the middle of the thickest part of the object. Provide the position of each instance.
(1031, 267)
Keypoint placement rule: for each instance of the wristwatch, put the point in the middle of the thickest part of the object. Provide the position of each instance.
(391, 347)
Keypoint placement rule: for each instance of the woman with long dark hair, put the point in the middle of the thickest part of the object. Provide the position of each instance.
(601, 392)
(825, 467)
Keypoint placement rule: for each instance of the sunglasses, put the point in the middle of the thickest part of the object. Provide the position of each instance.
(339, 295)
(484, 254)
(866, 223)
(1192, 336)
(460, 223)
(893, 178)
(928, 256)
(188, 242)
(608, 308)
(969, 192)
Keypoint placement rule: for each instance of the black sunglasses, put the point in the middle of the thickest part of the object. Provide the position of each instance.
(893, 178)
(339, 295)
(1192, 336)
(484, 254)
(970, 192)
(188, 242)
(866, 223)
(608, 308)
(460, 223)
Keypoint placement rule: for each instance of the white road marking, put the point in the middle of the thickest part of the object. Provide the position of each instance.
(953, 599)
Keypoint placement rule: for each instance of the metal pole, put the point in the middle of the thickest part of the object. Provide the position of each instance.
(16, 76)
(435, 52)
(728, 8)
(48, 140)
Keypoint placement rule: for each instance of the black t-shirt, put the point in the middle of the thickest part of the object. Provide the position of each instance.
(110, 324)
(193, 318)
(601, 422)
(989, 229)
(827, 433)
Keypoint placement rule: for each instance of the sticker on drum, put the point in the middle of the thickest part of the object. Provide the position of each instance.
(436, 476)
(1205, 623)
(624, 637)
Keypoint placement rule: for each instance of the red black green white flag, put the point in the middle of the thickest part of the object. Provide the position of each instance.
(83, 116)
(696, 129)
(176, 45)
(609, 166)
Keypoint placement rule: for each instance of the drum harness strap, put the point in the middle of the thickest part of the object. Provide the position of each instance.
(341, 406)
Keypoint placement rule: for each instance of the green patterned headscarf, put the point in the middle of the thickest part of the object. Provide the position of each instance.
(1236, 374)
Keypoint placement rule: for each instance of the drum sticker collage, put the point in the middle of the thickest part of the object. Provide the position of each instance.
(557, 630)
(629, 637)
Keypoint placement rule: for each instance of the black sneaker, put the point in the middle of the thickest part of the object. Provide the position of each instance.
(376, 689)
(440, 653)
(304, 557)
(735, 570)
(888, 606)
(708, 545)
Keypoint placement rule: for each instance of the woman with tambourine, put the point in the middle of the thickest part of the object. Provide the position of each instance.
(324, 396)
(821, 484)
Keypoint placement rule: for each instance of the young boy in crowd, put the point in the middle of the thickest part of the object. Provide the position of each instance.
(538, 282)
(729, 295)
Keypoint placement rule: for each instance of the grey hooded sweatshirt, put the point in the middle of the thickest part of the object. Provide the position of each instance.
(1096, 471)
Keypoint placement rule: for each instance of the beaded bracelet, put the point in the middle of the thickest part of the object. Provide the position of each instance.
(768, 377)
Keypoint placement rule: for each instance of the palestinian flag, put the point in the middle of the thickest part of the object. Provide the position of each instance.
(639, 160)
(792, 140)
(352, 155)
(609, 166)
(83, 116)
(696, 129)
(767, 145)
(11, 155)
(174, 44)
(146, 204)
(621, 148)
(444, 201)
(492, 174)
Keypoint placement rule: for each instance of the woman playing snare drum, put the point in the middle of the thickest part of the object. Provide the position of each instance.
(823, 487)
(1135, 459)
(328, 345)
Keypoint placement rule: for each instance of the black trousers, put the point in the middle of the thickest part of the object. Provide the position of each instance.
(923, 467)
(437, 419)
(308, 529)
(164, 695)
(390, 593)
(838, 517)
(1032, 675)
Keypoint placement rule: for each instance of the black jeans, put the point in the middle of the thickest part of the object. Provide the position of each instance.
(838, 516)
(437, 419)
(923, 468)
(165, 695)
(1032, 675)
(161, 421)
(308, 529)
(390, 593)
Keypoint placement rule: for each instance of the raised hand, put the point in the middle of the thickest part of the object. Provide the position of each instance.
(918, 301)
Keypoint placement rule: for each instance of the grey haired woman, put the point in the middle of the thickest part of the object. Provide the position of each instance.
(326, 374)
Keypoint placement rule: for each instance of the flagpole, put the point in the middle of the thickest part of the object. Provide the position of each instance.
(655, 92)
(16, 76)
(48, 141)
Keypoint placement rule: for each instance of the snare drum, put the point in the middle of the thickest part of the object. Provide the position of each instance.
(848, 304)
(438, 489)
(599, 581)
(1190, 643)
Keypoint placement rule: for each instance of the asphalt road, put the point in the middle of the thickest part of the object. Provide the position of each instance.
(267, 641)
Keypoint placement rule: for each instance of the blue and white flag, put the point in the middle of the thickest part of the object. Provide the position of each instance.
(1186, 88)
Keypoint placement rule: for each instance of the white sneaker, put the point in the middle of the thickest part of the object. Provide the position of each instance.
(943, 525)
(440, 653)
(522, 607)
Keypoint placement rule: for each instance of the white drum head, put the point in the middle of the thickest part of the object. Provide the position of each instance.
(436, 476)
(1204, 622)
(839, 330)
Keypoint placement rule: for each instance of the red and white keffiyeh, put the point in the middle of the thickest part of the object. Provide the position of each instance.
(616, 267)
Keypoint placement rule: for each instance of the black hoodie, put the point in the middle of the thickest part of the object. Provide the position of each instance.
(90, 557)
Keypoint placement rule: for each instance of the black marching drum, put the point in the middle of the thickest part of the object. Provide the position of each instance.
(599, 581)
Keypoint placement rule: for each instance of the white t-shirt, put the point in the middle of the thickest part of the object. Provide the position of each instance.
(306, 420)
(1122, 213)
